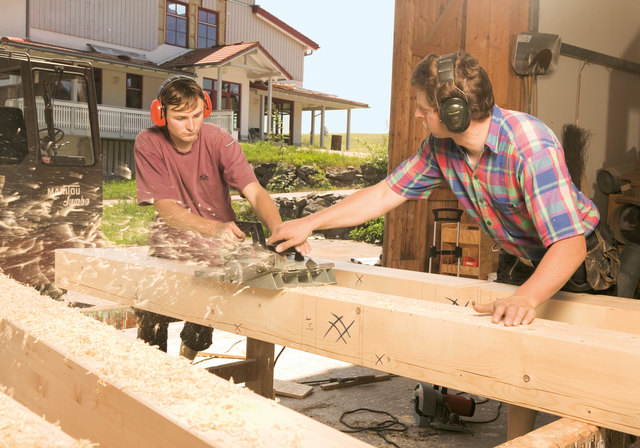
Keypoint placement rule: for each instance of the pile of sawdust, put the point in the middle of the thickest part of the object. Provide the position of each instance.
(187, 393)
(21, 428)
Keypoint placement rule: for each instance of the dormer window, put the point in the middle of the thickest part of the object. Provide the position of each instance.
(207, 28)
(176, 24)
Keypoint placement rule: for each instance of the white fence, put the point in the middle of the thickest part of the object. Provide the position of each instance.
(115, 122)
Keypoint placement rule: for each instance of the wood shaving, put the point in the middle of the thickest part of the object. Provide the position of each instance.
(21, 428)
(187, 393)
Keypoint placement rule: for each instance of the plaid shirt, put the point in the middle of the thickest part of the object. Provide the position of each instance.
(520, 192)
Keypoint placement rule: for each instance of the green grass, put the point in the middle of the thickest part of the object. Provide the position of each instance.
(126, 223)
(119, 189)
(265, 152)
(359, 142)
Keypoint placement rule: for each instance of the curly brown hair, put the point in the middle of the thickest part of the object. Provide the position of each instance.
(469, 77)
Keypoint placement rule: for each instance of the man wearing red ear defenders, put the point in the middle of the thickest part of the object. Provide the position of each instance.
(185, 167)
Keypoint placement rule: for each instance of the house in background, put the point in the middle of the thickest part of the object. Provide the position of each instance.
(248, 61)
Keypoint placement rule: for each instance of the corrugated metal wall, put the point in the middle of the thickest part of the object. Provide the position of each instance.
(243, 25)
(117, 158)
(100, 20)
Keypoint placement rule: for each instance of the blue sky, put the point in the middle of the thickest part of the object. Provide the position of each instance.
(354, 58)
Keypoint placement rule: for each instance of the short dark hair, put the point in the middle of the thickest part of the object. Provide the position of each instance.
(469, 77)
(182, 92)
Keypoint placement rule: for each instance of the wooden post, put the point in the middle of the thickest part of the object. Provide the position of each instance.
(263, 354)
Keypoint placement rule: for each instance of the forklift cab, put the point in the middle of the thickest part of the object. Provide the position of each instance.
(50, 164)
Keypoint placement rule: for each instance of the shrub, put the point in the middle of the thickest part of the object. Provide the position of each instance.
(378, 154)
(370, 232)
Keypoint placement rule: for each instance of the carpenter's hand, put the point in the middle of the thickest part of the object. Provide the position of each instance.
(515, 310)
(304, 248)
(290, 234)
(229, 232)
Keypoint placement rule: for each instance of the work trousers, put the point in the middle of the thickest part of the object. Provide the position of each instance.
(153, 329)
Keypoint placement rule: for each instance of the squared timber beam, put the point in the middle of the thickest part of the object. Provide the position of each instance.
(550, 366)
(600, 311)
(100, 385)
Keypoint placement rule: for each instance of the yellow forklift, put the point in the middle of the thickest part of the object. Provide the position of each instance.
(50, 165)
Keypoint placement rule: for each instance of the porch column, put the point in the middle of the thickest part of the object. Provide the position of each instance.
(322, 127)
(269, 104)
(312, 135)
(219, 89)
(261, 117)
(348, 130)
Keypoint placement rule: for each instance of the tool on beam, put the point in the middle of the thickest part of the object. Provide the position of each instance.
(260, 266)
(437, 408)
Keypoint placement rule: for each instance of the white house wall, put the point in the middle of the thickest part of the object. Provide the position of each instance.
(121, 22)
(243, 25)
(14, 18)
(609, 99)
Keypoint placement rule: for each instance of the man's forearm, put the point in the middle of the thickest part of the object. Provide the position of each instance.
(358, 208)
(556, 267)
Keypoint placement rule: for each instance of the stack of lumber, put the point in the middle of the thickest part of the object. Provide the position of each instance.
(119, 392)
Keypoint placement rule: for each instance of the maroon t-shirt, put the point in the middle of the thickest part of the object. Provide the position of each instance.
(199, 180)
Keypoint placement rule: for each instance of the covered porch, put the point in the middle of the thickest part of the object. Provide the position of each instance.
(290, 100)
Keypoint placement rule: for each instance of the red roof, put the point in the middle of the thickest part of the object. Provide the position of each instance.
(221, 54)
(257, 10)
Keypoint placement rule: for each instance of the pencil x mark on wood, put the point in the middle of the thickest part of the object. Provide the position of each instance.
(341, 333)
(359, 280)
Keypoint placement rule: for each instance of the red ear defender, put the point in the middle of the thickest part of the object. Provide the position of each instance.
(158, 113)
(207, 105)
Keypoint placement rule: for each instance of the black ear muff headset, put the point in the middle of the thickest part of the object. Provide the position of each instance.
(453, 112)
(159, 112)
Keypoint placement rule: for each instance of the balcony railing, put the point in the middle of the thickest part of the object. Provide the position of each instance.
(115, 122)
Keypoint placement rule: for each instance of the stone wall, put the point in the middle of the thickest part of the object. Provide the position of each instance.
(299, 206)
(306, 175)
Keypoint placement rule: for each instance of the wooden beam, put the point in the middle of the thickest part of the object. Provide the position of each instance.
(550, 366)
(21, 427)
(120, 392)
(608, 312)
(562, 433)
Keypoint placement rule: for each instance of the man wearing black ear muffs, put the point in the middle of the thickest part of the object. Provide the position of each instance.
(507, 170)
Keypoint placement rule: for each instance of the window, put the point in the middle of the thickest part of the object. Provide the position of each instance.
(176, 26)
(281, 119)
(61, 96)
(134, 91)
(13, 136)
(230, 97)
(207, 28)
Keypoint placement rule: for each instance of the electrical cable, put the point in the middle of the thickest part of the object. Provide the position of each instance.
(379, 428)
(280, 353)
(478, 402)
